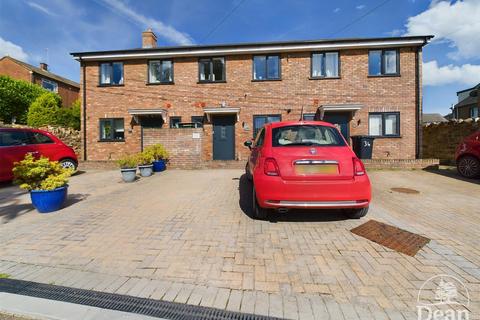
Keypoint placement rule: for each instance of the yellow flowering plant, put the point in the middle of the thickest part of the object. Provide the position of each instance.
(40, 174)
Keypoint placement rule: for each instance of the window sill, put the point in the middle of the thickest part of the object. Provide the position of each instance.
(324, 78)
(159, 83)
(110, 140)
(111, 85)
(386, 137)
(265, 80)
(206, 82)
(384, 75)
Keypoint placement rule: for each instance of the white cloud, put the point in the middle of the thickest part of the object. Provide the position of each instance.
(8, 48)
(395, 32)
(41, 8)
(457, 22)
(360, 7)
(336, 10)
(466, 74)
(163, 30)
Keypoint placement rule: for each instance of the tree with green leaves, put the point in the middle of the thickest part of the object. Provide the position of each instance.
(15, 99)
(44, 110)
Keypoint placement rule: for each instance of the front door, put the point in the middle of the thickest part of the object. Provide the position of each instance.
(341, 120)
(224, 137)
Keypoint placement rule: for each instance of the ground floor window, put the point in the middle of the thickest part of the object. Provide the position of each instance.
(474, 112)
(197, 121)
(384, 124)
(175, 121)
(308, 116)
(112, 129)
(260, 120)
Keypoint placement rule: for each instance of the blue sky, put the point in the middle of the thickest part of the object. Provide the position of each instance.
(48, 30)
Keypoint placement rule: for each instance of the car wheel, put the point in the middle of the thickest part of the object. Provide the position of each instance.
(68, 164)
(357, 213)
(258, 212)
(247, 173)
(468, 166)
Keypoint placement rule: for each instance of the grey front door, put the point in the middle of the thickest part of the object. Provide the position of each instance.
(224, 137)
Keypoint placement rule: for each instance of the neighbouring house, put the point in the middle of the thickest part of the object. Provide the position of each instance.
(429, 118)
(67, 89)
(468, 105)
(204, 101)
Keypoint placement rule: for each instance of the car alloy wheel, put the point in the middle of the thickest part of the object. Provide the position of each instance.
(68, 164)
(469, 167)
(258, 212)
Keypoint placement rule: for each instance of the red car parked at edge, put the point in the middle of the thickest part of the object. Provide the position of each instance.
(467, 156)
(16, 143)
(306, 164)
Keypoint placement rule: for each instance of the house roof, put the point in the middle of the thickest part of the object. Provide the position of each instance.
(255, 47)
(44, 73)
(467, 101)
(475, 87)
(432, 118)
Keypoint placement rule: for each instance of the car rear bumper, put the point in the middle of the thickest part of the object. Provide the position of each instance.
(274, 192)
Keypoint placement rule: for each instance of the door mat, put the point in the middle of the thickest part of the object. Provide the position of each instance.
(391, 237)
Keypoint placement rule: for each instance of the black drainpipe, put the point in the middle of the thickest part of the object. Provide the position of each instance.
(84, 94)
(418, 106)
(141, 137)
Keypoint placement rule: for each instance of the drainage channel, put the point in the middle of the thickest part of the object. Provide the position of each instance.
(118, 302)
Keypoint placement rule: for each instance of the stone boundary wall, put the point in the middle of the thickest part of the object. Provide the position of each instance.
(440, 140)
(69, 136)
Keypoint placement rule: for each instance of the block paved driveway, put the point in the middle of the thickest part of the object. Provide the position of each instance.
(186, 236)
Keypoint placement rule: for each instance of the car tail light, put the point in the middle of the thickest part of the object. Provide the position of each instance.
(358, 167)
(270, 167)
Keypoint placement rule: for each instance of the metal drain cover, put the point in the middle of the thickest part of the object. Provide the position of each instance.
(405, 190)
(391, 237)
(104, 300)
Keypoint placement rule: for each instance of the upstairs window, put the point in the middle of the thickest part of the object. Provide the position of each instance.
(112, 129)
(160, 71)
(266, 67)
(383, 62)
(325, 65)
(211, 69)
(384, 124)
(50, 85)
(308, 116)
(197, 121)
(111, 73)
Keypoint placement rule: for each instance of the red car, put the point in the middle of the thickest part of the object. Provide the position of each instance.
(467, 156)
(16, 143)
(306, 164)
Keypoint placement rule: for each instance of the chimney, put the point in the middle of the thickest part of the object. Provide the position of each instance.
(43, 66)
(149, 39)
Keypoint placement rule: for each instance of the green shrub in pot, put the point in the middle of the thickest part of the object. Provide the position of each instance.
(128, 167)
(161, 156)
(145, 163)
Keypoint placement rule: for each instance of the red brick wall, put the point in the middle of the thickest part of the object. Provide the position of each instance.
(14, 70)
(68, 93)
(184, 148)
(295, 91)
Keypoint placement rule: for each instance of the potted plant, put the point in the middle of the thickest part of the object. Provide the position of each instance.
(160, 155)
(45, 180)
(144, 161)
(128, 168)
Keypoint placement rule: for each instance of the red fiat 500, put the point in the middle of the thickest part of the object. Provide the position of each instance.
(306, 164)
(467, 156)
(16, 143)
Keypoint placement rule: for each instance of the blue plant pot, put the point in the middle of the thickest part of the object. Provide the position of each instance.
(159, 165)
(49, 200)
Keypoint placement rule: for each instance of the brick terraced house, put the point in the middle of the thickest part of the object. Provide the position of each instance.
(67, 89)
(203, 102)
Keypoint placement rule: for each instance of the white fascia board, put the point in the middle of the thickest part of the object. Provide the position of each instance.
(253, 49)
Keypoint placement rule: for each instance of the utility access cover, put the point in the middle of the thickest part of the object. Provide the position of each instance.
(391, 237)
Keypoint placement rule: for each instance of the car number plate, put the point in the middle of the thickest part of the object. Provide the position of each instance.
(316, 169)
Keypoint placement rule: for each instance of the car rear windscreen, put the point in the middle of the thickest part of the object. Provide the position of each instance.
(306, 135)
